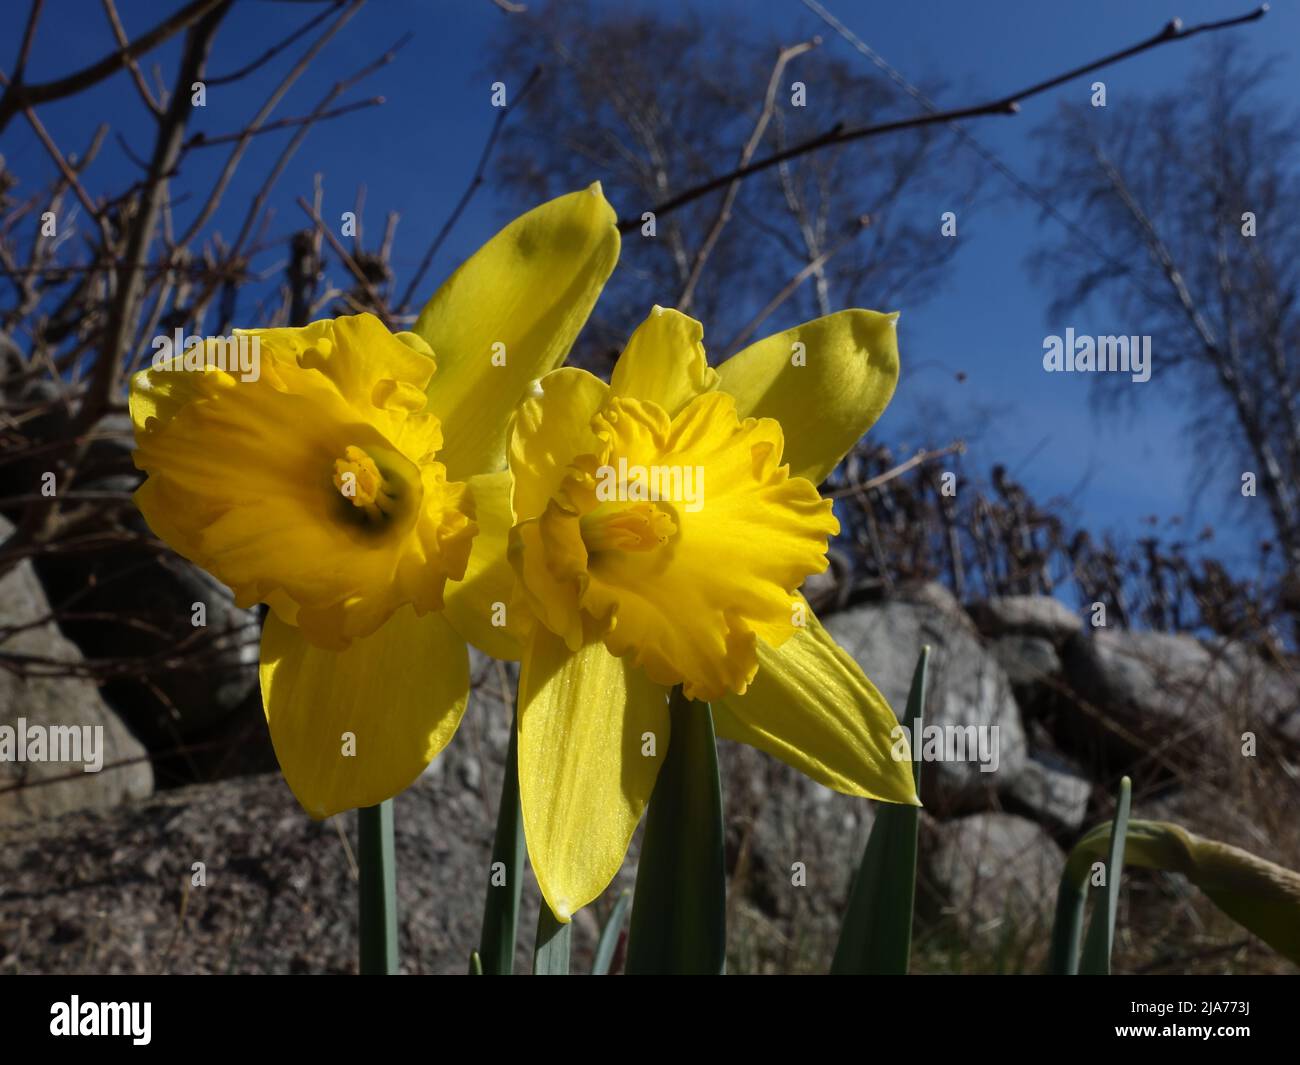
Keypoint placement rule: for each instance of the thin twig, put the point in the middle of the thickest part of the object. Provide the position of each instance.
(167, 149)
(29, 36)
(377, 304)
(69, 175)
(19, 95)
(277, 48)
(793, 284)
(202, 140)
(1022, 186)
(1006, 105)
(123, 41)
(468, 194)
(228, 171)
(300, 135)
(957, 447)
(746, 154)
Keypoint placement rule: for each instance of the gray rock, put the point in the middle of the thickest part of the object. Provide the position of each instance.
(1269, 692)
(134, 600)
(1028, 660)
(777, 817)
(1055, 798)
(49, 410)
(994, 876)
(45, 701)
(828, 590)
(1159, 694)
(143, 607)
(936, 596)
(1026, 615)
(793, 847)
(968, 688)
(112, 892)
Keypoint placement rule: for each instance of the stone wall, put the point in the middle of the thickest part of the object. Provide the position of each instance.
(95, 875)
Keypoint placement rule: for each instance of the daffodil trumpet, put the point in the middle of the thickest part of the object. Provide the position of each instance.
(623, 591)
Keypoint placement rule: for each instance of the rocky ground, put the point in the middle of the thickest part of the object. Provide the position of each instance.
(96, 870)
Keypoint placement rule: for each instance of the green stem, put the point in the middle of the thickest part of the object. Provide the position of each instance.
(377, 890)
(551, 958)
(679, 908)
(876, 937)
(1067, 927)
(505, 876)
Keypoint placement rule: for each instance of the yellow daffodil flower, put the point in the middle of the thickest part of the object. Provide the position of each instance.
(337, 482)
(662, 524)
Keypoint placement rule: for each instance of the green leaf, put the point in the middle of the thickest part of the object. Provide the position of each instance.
(501, 909)
(551, 955)
(377, 890)
(1067, 928)
(679, 910)
(475, 964)
(1101, 932)
(876, 936)
(609, 935)
(1063, 954)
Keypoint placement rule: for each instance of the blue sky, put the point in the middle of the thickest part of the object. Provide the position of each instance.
(416, 154)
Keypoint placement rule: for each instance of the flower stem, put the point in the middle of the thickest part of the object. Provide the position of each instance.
(679, 907)
(377, 890)
(876, 935)
(505, 876)
(551, 957)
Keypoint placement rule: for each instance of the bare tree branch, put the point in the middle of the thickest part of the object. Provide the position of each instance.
(793, 284)
(124, 42)
(746, 154)
(18, 95)
(468, 194)
(1006, 105)
(378, 303)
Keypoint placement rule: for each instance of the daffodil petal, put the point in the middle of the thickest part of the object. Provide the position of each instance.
(550, 428)
(553, 600)
(354, 351)
(157, 395)
(585, 721)
(827, 394)
(664, 362)
(392, 699)
(529, 290)
(474, 603)
(813, 708)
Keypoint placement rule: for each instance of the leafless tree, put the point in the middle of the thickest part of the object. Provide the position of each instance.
(1195, 200)
(92, 269)
(652, 105)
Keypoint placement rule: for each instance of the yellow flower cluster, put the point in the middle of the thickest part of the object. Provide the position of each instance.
(392, 496)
